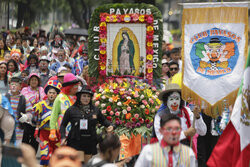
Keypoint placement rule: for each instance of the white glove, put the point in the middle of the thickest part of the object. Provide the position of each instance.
(23, 118)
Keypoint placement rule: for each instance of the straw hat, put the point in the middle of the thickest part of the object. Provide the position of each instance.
(169, 88)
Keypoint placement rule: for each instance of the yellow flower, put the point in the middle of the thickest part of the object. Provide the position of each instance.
(158, 101)
(103, 40)
(102, 52)
(103, 67)
(114, 18)
(103, 24)
(150, 70)
(141, 18)
(149, 57)
(115, 85)
(149, 44)
(107, 19)
(149, 92)
(107, 90)
(125, 85)
(150, 28)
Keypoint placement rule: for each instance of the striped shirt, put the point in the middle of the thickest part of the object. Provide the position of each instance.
(14, 100)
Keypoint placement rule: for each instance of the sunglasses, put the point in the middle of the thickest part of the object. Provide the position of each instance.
(63, 156)
(172, 69)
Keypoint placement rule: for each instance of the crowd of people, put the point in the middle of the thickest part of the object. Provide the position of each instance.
(44, 85)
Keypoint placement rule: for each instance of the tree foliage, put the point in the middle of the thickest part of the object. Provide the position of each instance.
(29, 11)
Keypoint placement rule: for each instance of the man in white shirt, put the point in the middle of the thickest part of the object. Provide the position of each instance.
(168, 152)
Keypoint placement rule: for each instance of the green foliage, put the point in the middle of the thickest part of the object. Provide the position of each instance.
(95, 19)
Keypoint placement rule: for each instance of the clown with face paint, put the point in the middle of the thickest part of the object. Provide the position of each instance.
(43, 111)
(172, 103)
(16, 55)
(62, 102)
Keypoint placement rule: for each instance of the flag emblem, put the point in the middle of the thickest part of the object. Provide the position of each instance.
(214, 52)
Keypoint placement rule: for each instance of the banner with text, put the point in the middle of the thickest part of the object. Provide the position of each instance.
(214, 51)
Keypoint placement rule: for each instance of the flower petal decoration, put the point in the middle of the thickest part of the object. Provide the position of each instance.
(102, 47)
(119, 19)
(150, 51)
(149, 37)
(103, 28)
(150, 19)
(149, 57)
(102, 72)
(150, 32)
(150, 28)
(108, 19)
(115, 18)
(127, 18)
(103, 24)
(102, 52)
(135, 17)
(141, 18)
(149, 66)
(103, 40)
(103, 67)
(150, 44)
(150, 70)
(103, 36)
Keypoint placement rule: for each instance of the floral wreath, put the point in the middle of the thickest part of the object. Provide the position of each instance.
(127, 18)
(97, 51)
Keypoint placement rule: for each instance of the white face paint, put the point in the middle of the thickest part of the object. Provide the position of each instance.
(174, 101)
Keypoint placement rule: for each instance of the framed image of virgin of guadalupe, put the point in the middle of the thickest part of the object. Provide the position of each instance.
(125, 41)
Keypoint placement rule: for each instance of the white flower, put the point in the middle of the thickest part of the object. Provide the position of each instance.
(103, 105)
(124, 111)
(130, 90)
(97, 103)
(142, 106)
(111, 90)
(142, 96)
(103, 97)
(110, 100)
(122, 89)
(128, 97)
(119, 103)
(100, 90)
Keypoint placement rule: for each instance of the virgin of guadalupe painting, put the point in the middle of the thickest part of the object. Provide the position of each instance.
(125, 55)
